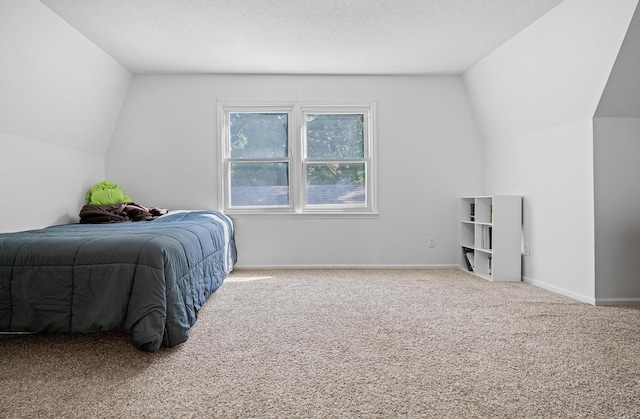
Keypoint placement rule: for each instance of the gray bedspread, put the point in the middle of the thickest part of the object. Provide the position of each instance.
(147, 279)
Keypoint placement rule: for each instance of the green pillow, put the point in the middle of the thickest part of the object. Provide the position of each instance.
(106, 193)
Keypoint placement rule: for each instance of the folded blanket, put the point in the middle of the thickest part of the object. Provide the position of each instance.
(117, 213)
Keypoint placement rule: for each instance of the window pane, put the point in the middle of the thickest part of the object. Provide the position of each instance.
(258, 135)
(335, 136)
(259, 184)
(333, 183)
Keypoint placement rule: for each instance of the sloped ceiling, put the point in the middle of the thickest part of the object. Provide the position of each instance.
(300, 36)
(56, 86)
(621, 97)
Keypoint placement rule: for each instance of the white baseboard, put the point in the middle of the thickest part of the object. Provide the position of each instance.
(589, 300)
(558, 290)
(276, 267)
(618, 301)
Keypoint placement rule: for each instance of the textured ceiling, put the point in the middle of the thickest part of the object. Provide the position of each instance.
(300, 36)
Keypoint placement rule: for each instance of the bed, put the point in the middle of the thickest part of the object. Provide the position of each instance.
(146, 279)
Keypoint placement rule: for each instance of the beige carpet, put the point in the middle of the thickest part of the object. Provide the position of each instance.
(347, 343)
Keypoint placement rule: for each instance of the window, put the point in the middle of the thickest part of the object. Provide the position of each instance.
(297, 159)
(259, 159)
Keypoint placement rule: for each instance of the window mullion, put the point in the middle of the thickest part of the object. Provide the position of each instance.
(297, 164)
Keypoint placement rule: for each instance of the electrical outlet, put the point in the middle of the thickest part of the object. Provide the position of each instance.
(432, 242)
(527, 250)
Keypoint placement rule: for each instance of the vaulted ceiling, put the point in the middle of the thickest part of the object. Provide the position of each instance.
(300, 36)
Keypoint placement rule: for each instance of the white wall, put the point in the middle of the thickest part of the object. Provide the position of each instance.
(621, 97)
(59, 102)
(535, 98)
(616, 171)
(42, 184)
(617, 209)
(164, 153)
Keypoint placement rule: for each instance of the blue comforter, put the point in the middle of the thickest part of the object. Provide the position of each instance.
(148, 279)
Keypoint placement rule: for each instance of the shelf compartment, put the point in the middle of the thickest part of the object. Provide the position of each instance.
(484, 210)
(483, 236)
(467, 259)
(483, 261)
(467, 234)
(467, 209)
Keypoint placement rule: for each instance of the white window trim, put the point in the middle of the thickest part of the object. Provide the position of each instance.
(297, 159)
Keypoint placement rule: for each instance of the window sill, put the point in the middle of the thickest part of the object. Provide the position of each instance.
(298, 215)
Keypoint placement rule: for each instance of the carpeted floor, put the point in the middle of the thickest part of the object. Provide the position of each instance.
(346, 343)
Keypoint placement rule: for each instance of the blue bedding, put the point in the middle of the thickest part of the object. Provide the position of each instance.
(147, 279)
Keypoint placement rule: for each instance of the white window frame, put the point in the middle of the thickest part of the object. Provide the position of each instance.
(297, 158)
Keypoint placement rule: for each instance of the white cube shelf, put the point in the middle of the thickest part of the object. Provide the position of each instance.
(490, 237)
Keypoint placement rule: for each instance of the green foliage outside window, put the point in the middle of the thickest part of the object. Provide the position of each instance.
(335, 137)
(329, 137)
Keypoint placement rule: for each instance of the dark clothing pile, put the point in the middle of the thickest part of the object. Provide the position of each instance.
(117, 213)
